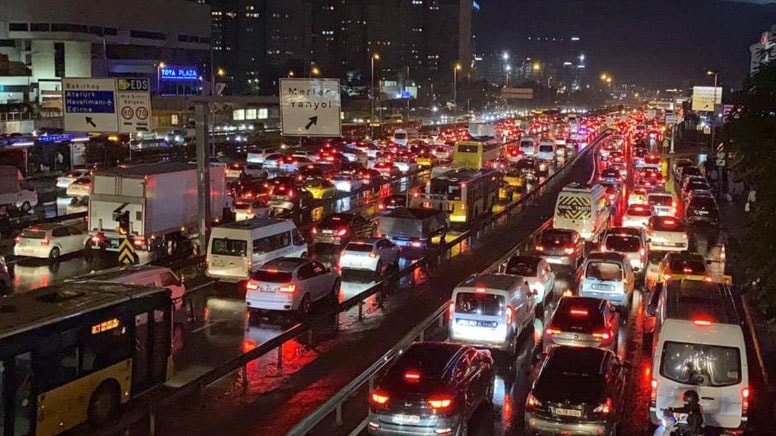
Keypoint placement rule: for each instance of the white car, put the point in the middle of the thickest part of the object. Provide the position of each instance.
(537, 272)
(245, 210)
(370, 254)
(405, 165)
(637, 215)
(49, 240)
(290, 285)
(80, 188)
(66, 179)
(346, 182)
(666, 233)
(663, 203)
(637, 196)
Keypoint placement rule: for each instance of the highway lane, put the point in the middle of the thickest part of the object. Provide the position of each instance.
(276, 397)
(28, 273)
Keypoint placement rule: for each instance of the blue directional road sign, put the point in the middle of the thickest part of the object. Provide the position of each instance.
(90, 105)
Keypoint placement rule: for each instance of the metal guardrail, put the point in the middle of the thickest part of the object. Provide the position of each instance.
(157, 400)
(335, 403)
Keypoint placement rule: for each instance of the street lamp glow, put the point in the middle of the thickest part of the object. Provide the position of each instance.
(505, 56)
(290, 73)
(508, 67)
(221, 72)
(458, 67)
(162, 64)
(604, 77)
(376, 56)
(536, 66)
(315, 71)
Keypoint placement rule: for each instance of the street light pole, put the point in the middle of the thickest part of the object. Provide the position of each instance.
(455, 84)
(159, 67)
(374, 57)
(713, 110)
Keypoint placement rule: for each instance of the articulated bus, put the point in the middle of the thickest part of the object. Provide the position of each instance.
(467, 194)
(475, 154)
(74, 353)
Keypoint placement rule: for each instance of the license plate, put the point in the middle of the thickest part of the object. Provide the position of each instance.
(327, 232)
(553, 260)
(267, 289)
(602, 287)
(568, 412)
(475, 323)
(406, 419)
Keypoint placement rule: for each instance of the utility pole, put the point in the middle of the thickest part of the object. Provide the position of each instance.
(201, 111)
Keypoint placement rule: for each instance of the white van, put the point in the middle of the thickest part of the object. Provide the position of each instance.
(546, 151)
(402, 137)
(236, 249)
(582, 208)
(145, 275)
(528, 145)
(491, 310)
(699, 345)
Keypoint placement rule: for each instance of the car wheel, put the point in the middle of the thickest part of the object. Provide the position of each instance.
(26, 207)
(305, 305)
(54, 254)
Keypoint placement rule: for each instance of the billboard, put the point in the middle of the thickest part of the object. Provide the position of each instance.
(705, 97)
(517, 93)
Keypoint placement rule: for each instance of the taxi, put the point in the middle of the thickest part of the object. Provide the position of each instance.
(321, 188)
(683, 266)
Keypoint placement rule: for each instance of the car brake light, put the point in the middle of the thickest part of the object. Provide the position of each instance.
(288, 288)
(19, 238)
(381, 206)
(687, 270)
(531, 403)
(342, 232)
(373, 255)
(578, 312)
(451, 310)
(604, 408)
(540, 247)
(602, 335)
(45, 241)
(251, 286)
(653, 393)
(702, 322)
(440, 402)
(314, 231)
(552, 331)
(510, 315)
(566, 293)
(378, 398)
(412, 376)
(745, 393)
(568, 250)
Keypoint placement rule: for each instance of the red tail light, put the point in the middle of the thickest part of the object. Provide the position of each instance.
(342, 232)
(604, 408)
(551, 331)
(19, 238)
(314, 231)
(378, 398)
(412, 377)
(250, 285)
(702, 322)
(288, 288)
(653, 394)
(451, 310)
(248, 345)
(604, 336)
(568, 250)
(45, 242)
(539, 248)
(745, 393)
(510, 315)
(440, 402)
(531, 403)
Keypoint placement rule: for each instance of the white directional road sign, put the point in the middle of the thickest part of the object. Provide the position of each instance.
(90, 105)
(107, 105)
(133, 105)
(705, 97)
(672, 119)
(310, 107)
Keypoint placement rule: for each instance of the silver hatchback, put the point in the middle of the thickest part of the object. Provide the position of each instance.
(583, 322)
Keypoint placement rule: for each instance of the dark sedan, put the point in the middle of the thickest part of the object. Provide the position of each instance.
(561, 247)
(431, 388)
(340, 228)
(579, 390)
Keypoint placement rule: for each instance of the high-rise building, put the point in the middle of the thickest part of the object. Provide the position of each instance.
(764, 50)
(105, 38)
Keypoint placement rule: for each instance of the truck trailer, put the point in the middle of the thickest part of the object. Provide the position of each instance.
(154, 205)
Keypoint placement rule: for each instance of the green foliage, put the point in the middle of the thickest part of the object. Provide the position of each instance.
(751, 131)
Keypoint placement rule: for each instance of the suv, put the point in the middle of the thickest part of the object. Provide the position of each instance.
(431, 388)
(608, 276)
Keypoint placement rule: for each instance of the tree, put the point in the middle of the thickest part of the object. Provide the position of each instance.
(751, 132)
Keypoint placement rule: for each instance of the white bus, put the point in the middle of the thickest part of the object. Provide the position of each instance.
(582, 208)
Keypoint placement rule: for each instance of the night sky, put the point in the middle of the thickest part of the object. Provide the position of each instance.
(656, 43)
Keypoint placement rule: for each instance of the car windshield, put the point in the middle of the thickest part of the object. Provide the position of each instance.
(623, 243)
(638, 211)
(360, 247)
(687, 266)
(668, 225)
(522, 268)
(480, 304)
(660, 200)
(546, 148)
(700, 364)
(229, 247)
(566, 378)
(556, 239)
(605, 271)
(33, 234)
(272, 276)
